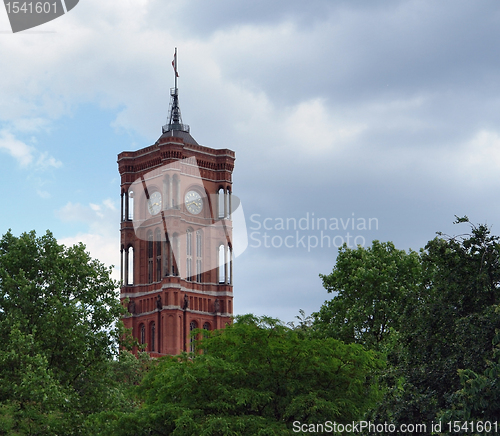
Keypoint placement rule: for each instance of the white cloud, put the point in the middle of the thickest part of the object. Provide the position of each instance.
(311, 123)
(109, 204)
(346, 101)
(43, 194)
(92, 215)
(24, 154)
(477, 161)
(30, 124)
(101, 246)
(101, 237)
(45, 161)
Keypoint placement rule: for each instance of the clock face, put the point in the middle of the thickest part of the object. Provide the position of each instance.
(154, 203)
(194, 202)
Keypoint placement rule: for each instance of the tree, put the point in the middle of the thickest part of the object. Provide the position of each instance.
(434, 314)
(59, 327)
(256, 377)
(478, 399)
(371, 285)
(450, 324)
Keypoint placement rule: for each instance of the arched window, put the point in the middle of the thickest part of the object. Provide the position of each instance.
(142, 337)
(150, 256)
(192, 325)
(158, 254)
(153, 332)
(189, 254)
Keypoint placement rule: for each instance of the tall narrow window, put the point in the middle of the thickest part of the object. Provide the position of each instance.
(122, 266)
(125, 206)
(122, 209)
(153, 332)
(221, 253)
(229, 264)
(198, 271)
(220, 203)
(226, 202)
(171, 193)
(167, 253)
(176, 193)
(158, 254)
(143, 334)
(130, 265)
(189, 254)
(130, 206)
(199, 251)
(192, 326)
(175, 255)
(150, 257)
(166, 193)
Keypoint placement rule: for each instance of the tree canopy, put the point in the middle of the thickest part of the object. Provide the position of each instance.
(370, 287)
(406, 338)
(450, 324)
(434, 314)
(257, 376)
(59, 329)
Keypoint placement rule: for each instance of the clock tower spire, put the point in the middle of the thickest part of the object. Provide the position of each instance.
(174, 116)
(176, 237)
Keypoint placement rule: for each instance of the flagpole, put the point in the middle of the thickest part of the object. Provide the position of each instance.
(175, 69)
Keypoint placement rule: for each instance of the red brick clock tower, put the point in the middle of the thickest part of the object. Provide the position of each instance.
(176, 230)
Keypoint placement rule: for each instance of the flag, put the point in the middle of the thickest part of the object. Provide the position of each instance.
(174, 64)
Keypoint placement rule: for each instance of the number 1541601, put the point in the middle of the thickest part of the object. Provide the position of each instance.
(31, 7)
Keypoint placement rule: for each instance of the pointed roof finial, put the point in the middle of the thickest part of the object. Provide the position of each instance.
(174, 118)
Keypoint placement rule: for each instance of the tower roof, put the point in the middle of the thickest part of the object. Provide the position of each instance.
(178, 133)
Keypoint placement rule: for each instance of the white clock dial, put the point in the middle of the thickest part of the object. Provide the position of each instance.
(154, 203)
(194, 202)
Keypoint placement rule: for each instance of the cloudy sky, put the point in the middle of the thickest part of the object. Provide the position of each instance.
(380, 119)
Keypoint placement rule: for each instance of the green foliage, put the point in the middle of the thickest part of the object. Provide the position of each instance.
(434, 314)
(59, 317)
(32, 398)
(450, 322)
(479, 397)
(120, 379)
(371, 285)
(255, 377)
